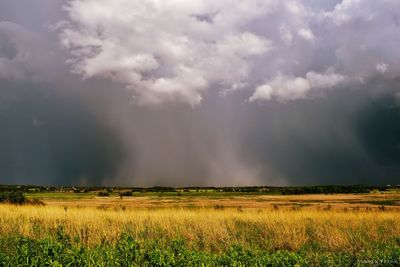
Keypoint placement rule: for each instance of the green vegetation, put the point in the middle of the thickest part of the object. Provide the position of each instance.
(13, 197)
(103, 194)
(387, 202)
(231, 226)
(61, 250)
(125, 194)
(271, 190)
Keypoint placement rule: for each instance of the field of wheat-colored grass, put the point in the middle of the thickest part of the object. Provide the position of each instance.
(209, 229)
(341, 202)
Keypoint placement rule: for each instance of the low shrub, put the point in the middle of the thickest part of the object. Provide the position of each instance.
(13, 197)
(125, 194)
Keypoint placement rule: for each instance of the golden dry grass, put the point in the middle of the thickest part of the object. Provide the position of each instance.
(209, 229)
(308, 202)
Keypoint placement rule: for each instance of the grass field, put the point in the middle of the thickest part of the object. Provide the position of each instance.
(223, 229)
(374, 201)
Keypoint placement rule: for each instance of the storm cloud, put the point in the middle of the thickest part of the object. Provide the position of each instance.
(180, 93)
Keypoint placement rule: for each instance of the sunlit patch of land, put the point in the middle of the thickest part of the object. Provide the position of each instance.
(192, 228)
(344, 202)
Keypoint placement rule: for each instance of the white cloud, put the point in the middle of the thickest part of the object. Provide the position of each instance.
(306, 34)
(285, 88)
(262, 92)
(165, 50)
(174, 50)
(381, 67)
(286, 35)
(324, 80)
(349, 10)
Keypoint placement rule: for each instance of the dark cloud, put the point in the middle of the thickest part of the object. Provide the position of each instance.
(48, 138)
(327, 111)
(379, 131)
(349, 136)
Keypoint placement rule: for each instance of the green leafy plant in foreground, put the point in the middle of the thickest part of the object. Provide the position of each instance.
(61, 250)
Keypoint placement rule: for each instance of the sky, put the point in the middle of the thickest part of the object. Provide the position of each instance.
(200, 92)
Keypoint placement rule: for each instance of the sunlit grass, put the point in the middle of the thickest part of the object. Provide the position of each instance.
(209, 229)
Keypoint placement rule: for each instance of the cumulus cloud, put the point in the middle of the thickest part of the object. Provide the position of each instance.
(381, 67)
(64, 128)
(350, 10)
(174, 51)
(306, 34)
(286, 35)
(364, 33)
(286, 88)
(165, 50)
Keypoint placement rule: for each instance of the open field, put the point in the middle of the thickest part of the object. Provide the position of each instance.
(183, 229)
(372, 201)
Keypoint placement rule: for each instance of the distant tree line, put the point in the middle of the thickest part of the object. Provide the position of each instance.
(294, 190)
(128, 191)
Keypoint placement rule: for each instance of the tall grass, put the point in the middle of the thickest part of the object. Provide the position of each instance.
(208, 229)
